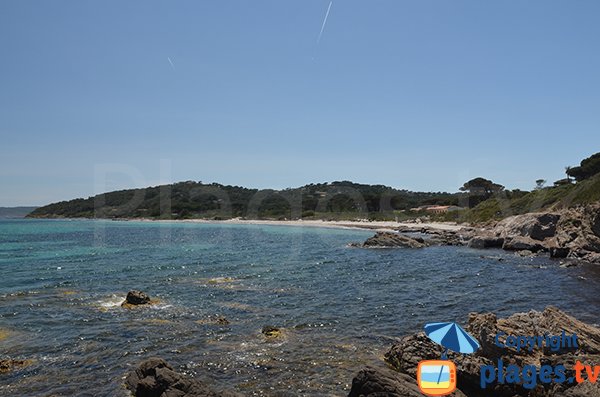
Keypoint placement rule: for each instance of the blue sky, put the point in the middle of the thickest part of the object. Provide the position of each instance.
(422, 95)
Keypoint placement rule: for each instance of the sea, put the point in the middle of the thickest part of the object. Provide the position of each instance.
(339, 308)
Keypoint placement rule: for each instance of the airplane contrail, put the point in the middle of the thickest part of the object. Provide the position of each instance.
(324, 22)
(171, 62)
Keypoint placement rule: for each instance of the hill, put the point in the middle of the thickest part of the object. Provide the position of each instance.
(546, 199)
(186, 200)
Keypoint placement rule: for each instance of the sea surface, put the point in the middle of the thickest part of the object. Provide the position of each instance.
(340, 308)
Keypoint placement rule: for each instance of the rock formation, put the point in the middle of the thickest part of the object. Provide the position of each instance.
(155, 378)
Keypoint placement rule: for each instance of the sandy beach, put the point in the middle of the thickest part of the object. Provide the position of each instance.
(365, 224)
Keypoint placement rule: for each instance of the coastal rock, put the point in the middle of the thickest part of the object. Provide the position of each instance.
(578, 231)
(135, 298)
(155, 378)
(537, 226)
(488, 241)
(271, 332)
(9, 365)
(391, 240)
(405, 355)
(519, 243)
(382, 382)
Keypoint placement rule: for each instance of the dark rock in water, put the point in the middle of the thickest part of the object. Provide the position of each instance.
(391, 240)
(271, 332)
(522, 244)
(486, 242)
(405, 355)
(155, 378)
(382, 382)
(137, 298)
(525, 253)
(9, 365)
(559, 252)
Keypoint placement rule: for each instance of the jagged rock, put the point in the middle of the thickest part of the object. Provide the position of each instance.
(519, 243)
(537, 226)
(135, 298)
(578, 231)
(390, 239)
(155, 378)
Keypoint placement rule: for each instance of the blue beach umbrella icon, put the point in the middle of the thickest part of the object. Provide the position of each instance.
(452, 337)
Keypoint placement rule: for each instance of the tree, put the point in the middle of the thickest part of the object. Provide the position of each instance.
(480, 189)
(539, 184)
(587, 168)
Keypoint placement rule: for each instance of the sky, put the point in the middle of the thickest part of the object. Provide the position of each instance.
(423, 95)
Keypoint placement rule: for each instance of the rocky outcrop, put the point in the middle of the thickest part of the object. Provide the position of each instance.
(137, 298)
(537, 226)
(155, 378)
(391, 240)
(572, 233)
(578, 232)
(486, 241)
(519, 243)
(405, 355)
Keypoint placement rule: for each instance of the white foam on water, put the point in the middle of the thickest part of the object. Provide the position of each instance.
(113, 301)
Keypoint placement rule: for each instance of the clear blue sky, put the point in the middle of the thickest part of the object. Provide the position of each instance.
(422, 95)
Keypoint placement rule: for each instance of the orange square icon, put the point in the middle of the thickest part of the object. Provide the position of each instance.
(436, 377)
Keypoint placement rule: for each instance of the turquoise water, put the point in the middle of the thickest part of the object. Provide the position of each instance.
(61, 283)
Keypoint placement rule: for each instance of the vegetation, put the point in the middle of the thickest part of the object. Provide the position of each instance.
(480, 189)
(587, 168)
(336, 200)
(544, 199)
(480, 200)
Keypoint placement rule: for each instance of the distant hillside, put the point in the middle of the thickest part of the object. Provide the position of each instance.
(15, 212)
(186, 200)
(549, 198)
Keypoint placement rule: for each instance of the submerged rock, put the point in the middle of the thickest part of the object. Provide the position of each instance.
(405, 355)
(155, 378)
(271, 332)
(9, 365)
(391, 240)
(136, 298)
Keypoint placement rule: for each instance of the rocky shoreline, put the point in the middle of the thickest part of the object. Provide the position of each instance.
(399, 378)
(573, 233)
(396, 376)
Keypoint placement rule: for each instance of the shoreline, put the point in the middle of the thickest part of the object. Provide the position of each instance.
(389, 226)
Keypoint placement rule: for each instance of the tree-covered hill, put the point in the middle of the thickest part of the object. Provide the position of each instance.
(190, 199)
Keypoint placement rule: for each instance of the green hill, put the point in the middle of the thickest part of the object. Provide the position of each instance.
(546, 199)
(184, 200)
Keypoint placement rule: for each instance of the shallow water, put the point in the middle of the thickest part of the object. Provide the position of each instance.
(62, 282)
